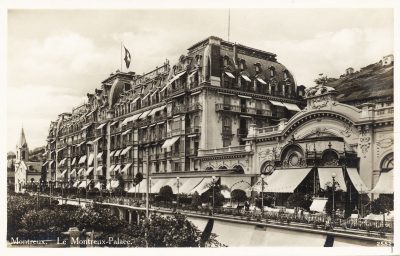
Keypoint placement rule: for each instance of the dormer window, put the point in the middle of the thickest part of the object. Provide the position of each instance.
(242, 64)
(285, 75)
(272, 71)
(226, 61)
(257, 67)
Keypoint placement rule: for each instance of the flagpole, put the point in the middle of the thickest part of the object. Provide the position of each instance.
(121, 56)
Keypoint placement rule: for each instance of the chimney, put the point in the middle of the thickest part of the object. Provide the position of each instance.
(235, 56)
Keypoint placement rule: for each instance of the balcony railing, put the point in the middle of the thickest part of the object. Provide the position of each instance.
(194, 107)
(225, 150)
(175, 132)
(178, 109)
(242, 109)
(194, 129)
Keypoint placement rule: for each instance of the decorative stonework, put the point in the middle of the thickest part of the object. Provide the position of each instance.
(385, 143)
(320, 102)
(365, 145)
(347, 131)
(265, 154)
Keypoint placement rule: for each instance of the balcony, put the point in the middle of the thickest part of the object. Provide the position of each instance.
(175, 132)
(242, 132)
(194, 129)
(242, 110)
(177, 154)
(194, 107)
(175, 91)
(225, 150)
(159, 118)
(143, 123)
(178, 109)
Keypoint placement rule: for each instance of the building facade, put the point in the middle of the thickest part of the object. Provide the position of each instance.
(26, 172)
(223, 110)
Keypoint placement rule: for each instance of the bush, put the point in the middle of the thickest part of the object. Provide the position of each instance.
(206, 197)
(238, 195)
(166, 194)
(268, 201)
(382, 204)
(299, 200)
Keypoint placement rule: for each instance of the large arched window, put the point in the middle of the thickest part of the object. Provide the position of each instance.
(209, 168)
(387, 162)
(293, 156)
(330, 157)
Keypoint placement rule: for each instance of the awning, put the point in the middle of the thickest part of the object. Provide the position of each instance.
(170, 142)
(84, 184)
(325, 177)
(117, 168)
(244, 96)
(384, 184)
(153, 111)
(101, 126)
(283, 180)
(82, 160)
(126, 132)
(147, 95)
(99, 155)
(73, 172)
(232, 183)
(45, 163)
(91, 157)
(73, 161)
(277, 103)
(91, 112)
(127, 120)
(125, 150)
(176, 77)
(88, 171)
(135, 117)
(62, 162)
(113, 123)
(112, 153)
(229, 74)
(76, 184)
(203, 186)
(246, 78)
(358, 183)
(189, 184)
(291, 106)
(156, 184)
(114, 183)
(145, 114)
(50, 163)
(112, 168)
(126, 168)
(95, 140)
(63, 173)
(98, 186)
(99, 168)
(117, 152)
(132, 189)
(141, 187)
(80, 171)
(173, 183)
(318, 204)
(80, 144)
(261, 81)
(85, 127)
(152, 94)
(58, 150)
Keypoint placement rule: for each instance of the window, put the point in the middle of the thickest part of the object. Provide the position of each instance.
(285, 75)
(272, 71)
(227, 100)
(227, 125)
(226, 142)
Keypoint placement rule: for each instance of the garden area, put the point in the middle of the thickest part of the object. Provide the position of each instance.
(38, 218)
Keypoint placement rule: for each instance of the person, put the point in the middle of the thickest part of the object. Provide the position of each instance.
(247, 205)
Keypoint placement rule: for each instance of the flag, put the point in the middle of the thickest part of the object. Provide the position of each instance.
(127, 57)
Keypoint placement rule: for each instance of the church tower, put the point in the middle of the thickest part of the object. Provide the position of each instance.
(22, 148)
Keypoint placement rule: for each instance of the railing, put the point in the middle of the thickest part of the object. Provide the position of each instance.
(230, 149)
(194, 107)
(194, 129)
(159, 118)
(242, 132)
(266, 130)
(143, 123)
(384, 112)
(175, 132)
(178, 109)
(242, 109)
(177, 154)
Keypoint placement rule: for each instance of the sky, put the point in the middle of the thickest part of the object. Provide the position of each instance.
(55, 57)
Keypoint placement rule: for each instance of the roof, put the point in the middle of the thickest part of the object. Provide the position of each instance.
(22, 139)
(36, 166)
(371, 82)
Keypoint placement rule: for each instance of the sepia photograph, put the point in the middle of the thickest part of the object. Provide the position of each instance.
(200, 127)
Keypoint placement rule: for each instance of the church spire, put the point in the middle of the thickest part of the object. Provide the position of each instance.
(22, 139)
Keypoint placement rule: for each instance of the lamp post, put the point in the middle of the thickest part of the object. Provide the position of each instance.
(177, 185)
(333, 198)
(213, 189)
(262, 195)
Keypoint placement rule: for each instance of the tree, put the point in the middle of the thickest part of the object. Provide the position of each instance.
(196, 202)
(382, 204)
(165, 194)
(138, 178)
(121, 184)
(299, 200)
(206, 197)
(238, 195)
